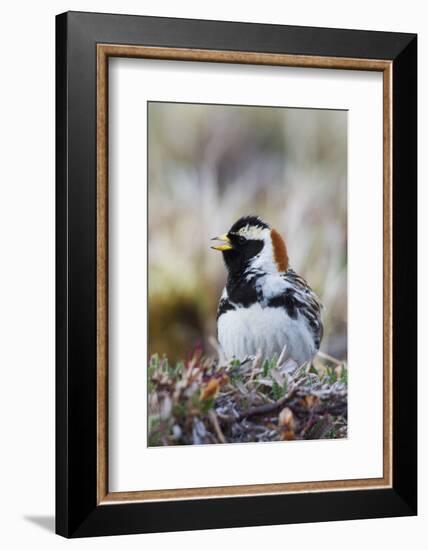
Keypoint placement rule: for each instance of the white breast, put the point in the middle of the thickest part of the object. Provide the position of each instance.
(245, 331)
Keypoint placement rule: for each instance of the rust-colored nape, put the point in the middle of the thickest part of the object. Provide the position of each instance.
(279, 250)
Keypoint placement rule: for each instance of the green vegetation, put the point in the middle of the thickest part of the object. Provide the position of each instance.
(205, 400)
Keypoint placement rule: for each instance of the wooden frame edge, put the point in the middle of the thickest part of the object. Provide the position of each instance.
(102, 274)
(241, 57)
(103, 52)
(387, 275)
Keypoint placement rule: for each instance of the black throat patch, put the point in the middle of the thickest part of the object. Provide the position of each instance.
(242, 291)
(239, 258)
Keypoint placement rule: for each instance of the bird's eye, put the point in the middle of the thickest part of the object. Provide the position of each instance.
(241, 239)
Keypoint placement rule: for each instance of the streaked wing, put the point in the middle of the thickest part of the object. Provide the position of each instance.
(300, 296)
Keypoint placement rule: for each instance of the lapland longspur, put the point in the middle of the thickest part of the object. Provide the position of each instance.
(265, 306)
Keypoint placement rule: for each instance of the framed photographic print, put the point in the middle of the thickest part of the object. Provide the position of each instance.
(236, 274)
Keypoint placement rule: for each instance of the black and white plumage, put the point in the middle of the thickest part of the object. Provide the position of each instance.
(265, 306)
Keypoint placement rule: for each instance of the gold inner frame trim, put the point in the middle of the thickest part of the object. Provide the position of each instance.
(104, 51)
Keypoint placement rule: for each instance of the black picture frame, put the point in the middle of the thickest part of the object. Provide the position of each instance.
(77, 511)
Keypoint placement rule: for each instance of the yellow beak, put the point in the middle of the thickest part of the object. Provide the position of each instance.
(226, 243)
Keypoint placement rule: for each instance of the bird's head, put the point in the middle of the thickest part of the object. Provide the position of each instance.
(252, 244)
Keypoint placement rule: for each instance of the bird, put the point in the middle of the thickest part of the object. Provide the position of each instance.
(265, 308)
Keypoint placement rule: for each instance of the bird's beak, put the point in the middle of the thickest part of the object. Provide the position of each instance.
(226, 243)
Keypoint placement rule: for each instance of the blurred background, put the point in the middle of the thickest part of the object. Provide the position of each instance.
(211, 164)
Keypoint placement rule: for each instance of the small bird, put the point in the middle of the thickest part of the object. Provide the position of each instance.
(265, 306)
